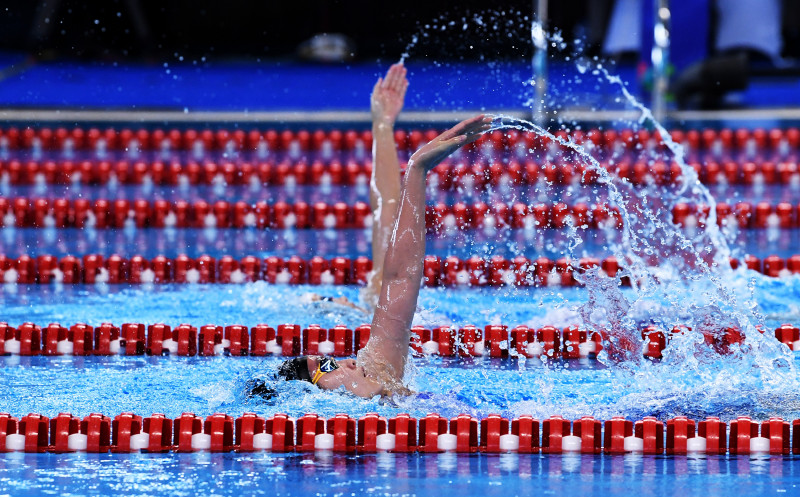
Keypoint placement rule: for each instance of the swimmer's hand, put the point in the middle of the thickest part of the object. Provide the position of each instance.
(388, 95)
(436, 150)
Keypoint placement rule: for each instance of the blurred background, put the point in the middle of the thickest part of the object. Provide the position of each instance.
(189, 55)
(146, 29)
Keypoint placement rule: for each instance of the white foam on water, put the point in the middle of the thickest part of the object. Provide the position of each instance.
(678, 277)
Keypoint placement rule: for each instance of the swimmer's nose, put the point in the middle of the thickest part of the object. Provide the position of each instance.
(349, 363)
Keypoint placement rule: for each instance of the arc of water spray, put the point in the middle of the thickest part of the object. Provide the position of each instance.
(634, 246)
(638, 266)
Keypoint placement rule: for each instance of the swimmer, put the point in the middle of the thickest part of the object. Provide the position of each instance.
(386, 101)
(381, 364)
(311, 298)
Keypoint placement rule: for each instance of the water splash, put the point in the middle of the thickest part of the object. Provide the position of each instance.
(468, 28)
(674, 281)
(677, 277)
(661, 262)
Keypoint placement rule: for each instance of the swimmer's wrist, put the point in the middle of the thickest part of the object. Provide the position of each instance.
(424, 166)
(383, 123)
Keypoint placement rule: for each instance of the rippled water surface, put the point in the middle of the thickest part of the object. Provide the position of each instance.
(394, 474)
(678, 283)
(720, 385)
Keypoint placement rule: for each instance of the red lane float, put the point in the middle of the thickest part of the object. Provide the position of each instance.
(495, 271)
(679, 431)
(494, 341)
(451, 175)
(129, 432)
(22, 212)
(95, 269)
(123, 428)
(189, 139)
(717, 142)
(615, 431)
(742, 215)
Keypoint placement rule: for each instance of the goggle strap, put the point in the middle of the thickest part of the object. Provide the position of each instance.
(324, 367)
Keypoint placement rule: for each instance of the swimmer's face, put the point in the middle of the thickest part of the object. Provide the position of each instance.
(349, 375)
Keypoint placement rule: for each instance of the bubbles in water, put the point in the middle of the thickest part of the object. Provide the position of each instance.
(678, 275)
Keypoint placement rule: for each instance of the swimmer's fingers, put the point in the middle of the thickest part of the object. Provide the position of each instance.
(465, 126)
(400, 83)
(456, 142)
(464, 139)
(432, 153)
(403, 87)
(388, 96)
(471, 126)
(395, 75)
(388, 80)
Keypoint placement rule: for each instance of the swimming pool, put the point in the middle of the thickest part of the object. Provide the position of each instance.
(195, 248)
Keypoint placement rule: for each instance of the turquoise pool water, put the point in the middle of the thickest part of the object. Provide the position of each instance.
(723, 386)
(688, 381)
(395, 474)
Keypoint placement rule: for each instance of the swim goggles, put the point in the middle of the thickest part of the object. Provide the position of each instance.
(325, 366)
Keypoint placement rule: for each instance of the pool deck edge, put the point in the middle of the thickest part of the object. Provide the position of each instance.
(303, 116)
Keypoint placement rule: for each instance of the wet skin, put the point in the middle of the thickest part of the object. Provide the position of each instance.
(349, 375)
(402, 275)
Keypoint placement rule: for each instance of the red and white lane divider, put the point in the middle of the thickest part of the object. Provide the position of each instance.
(129, 432)
(23, 212)
(94, 269)
(450, 175)
(174, 173)
(454, 175)
(495, 271)
(782, 141)
(741, 215)
(496, 341)
(195, 140)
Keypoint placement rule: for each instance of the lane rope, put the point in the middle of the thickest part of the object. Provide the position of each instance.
(452, 175)
(494, 341)
(273, 139)
(371, 433)
(451, 271)
(41, 212)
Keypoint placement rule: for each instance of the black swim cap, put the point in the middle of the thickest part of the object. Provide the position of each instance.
(292, 369)
(259, 388)
(295, 369)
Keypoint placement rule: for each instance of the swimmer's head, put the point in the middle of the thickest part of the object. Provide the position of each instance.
(292, 369)
(328, 374)
(295, 369)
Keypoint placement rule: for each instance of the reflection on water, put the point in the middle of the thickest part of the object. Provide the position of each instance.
(479, 387)
(393, 474)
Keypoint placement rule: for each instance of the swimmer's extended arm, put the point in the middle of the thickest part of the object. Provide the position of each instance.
(386, 102)
(402, 270)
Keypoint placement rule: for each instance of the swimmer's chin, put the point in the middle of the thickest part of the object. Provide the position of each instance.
(387, 396)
